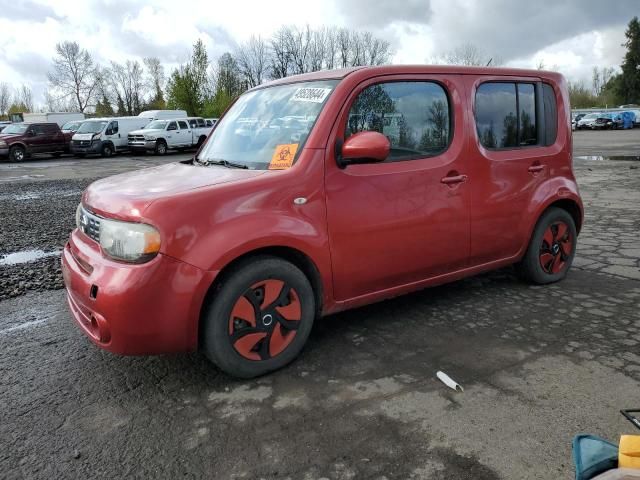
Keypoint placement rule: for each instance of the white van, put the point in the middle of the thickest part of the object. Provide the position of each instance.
(52, 117)
(105, 136)
(162, 114)
(162, 135)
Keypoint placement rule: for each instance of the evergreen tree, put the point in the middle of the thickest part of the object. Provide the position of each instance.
(629, 85)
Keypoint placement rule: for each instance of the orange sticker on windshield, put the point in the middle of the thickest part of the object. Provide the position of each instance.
(283, 156)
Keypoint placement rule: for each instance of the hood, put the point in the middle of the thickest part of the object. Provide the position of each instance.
(10, 136)
(127, 195)
(82, 136)
(147, 131)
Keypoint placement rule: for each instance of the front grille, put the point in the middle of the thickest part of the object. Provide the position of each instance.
(136, 138)
(81, 143)
(90, 224)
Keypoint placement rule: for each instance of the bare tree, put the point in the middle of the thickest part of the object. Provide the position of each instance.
(252, 58)
(74, 74)
(5, 98)
(280, 56)
(600, 78)
(155, 77)
(24, 95)
(470, 55)
(128, 83)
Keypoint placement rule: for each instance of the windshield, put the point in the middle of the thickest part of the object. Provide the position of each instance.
(157, 125)
(265, 128)
(15, 128)
(70, 126)
(92, 127)
(590, 116)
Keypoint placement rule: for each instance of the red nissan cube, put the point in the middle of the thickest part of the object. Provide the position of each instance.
(322, 192)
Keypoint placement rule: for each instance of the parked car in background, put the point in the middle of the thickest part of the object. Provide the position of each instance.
(105, 136)
(290, 211)
(20, 140)
(58, 117)
(605, 121)
(636, 117)
(163, 114)
(587, 121)
(160, 136)
(211, 122)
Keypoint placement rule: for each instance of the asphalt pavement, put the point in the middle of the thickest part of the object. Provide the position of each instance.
(538, 364)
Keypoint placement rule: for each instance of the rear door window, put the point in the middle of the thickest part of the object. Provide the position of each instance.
(183, 125)
(506, 116)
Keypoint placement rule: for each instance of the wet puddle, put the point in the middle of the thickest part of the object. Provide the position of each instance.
(26, 256)
(629, 158)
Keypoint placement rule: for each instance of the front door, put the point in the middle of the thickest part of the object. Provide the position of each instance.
(38, 140)
(112, 133)
(406, 219)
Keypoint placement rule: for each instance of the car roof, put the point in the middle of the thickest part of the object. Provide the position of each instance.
(341, 73)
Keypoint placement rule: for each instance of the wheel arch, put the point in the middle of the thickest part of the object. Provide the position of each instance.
(19, 144)
(571, 206)
(292, 255)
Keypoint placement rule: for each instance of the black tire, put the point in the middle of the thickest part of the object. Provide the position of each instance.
(200, 141)
(550, 253)
(17, 153)
(56, 155)
(80, 155)
(161, 147)
(220, 333)
(107, 150)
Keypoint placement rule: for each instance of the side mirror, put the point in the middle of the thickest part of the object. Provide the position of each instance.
(31, 133)
(108, 131)
(363, 147)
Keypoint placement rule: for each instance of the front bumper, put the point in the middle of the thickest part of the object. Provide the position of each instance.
(140, 146)
(146, 309)
(4, 152)
(94, 147)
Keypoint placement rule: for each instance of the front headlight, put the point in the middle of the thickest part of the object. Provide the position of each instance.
(149, 137)
(129, 242)
(3, 143)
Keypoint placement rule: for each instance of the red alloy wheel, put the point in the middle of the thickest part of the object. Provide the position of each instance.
(264, 320)
(556, 248)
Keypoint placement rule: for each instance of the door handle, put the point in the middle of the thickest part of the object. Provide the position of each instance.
(453, 179)
(536, 168)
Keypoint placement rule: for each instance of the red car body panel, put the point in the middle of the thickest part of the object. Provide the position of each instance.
(370, 231)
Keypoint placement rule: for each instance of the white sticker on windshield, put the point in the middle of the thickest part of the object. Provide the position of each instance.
(315, 95)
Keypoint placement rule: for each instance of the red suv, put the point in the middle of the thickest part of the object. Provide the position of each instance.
(323, 192)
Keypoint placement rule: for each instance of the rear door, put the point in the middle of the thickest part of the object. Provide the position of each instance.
(510, 156)
(406, 219)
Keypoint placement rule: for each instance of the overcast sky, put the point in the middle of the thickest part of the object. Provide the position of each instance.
(570, 35)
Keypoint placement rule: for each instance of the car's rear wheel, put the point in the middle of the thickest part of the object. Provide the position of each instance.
(551, 249)
(259, 317)
(17, 153)
(161, 147)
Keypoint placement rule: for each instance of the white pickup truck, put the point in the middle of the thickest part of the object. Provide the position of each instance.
(160, 136)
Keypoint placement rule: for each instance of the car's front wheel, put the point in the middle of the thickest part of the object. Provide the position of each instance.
(258, 318)
(551, 249)
(17, 153)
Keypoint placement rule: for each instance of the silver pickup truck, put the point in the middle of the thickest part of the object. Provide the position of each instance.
(160, 136)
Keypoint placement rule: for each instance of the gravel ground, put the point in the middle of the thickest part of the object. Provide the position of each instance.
(36, 216)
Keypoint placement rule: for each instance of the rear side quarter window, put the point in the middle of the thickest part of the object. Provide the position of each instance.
(550, 114)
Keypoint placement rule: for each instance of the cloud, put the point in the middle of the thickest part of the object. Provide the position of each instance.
(367, 14)
(574, 34)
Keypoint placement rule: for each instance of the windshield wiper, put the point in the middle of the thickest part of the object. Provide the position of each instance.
(220, 161)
